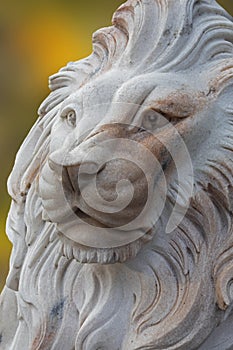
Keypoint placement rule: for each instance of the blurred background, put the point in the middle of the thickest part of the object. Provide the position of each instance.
(36, 39)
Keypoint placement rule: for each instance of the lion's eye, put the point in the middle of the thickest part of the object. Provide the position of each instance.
(153, 120)
(70, 116)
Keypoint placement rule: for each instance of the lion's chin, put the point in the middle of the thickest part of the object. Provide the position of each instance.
(92, 255)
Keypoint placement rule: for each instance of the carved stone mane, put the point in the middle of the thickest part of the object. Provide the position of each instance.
(87, 279)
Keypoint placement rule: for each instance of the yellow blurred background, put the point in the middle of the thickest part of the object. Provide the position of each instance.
(36, 39)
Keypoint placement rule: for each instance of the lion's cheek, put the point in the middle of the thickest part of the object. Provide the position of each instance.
(55, 206)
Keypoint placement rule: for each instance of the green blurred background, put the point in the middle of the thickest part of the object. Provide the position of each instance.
(36, 39)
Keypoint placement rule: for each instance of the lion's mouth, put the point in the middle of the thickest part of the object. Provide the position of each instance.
(92, 255)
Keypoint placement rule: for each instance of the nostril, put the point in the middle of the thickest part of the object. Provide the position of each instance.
(101, 168)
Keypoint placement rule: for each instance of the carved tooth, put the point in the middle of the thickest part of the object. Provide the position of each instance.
(115, 256)
(66, 252)
(69, 252)
(76, 253)
(99, 257)
(111, 257)
(91, 256)
(83, 256)
(105, 257)
(94, 256)
(61, 249)
(123, 255)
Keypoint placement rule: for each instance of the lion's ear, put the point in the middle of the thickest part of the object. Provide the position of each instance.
(223, 277)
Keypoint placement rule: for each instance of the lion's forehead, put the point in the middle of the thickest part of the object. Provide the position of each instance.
(99, 90)
(170, 92)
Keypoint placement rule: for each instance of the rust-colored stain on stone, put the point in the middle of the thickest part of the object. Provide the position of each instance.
(180, 104)
(44, 344)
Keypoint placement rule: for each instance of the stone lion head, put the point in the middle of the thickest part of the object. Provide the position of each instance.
(121, 216)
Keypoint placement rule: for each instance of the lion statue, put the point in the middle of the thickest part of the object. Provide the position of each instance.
(121, 215)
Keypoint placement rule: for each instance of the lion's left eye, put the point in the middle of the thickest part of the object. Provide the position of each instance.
(70, 117)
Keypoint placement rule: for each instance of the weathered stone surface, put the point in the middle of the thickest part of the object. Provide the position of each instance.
(121, 215)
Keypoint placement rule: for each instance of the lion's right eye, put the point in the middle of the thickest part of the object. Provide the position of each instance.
(70, 117)
(153, 120)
